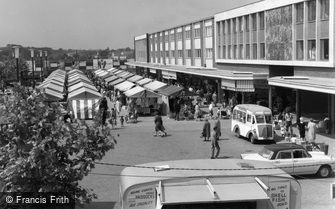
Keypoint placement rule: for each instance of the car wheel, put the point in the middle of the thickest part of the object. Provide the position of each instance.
(237, 132)
(252, 139)
(324, 171)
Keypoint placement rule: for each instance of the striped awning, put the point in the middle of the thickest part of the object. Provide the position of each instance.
(124, 86)
(84, 108)
(155, 85)
(238, 85)
(135, 78)
(144, 81)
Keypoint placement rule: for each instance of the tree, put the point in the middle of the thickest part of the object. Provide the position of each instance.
(39, 152)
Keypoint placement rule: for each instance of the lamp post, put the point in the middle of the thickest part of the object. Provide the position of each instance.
(46, 60)
(32, 65)
(41, 55)
(16, 55)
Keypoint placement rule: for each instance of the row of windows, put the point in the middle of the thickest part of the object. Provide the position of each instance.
(237, 51)
(197, 32)
(188, 53)
(311, 11)
(311, 49)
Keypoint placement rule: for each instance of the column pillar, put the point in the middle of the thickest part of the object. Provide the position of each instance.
(332, 114)
(242, 93)
(219, 89)
(297, 104)
(270, 97)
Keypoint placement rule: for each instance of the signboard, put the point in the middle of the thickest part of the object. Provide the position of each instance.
(143, 197)
(279, 194)
(153, 71)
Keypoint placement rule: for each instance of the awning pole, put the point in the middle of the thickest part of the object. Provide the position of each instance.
(211, 189)
(261, 183)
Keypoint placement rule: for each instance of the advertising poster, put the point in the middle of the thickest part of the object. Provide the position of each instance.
(141, 198)
(280, 194)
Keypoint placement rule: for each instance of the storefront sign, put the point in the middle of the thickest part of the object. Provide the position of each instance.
(153, 71)
(141, 197)
(280, 194)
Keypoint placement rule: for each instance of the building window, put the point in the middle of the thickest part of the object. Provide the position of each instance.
(224, 52)
(247, 23)
(167, 54)
(229, 51)
(179, 36)
(173, 54)
(188, 53)
(240, 55)
(261, 20)
(300, 50)
(229, 26)
(208, 31)
(254, 21)
(254, 51)
(235, 51)
(198, 53)
(324, 9)
(311, 50)
(219, 52)
(172, 37)
(166, 38)
(187, 34)
(209, 53)
(324, 49)
(240, 24)
(300, 13)
(234, 25)
(180, 53)
(262, 52)
(247, 51)
(197, 33)
(312, 10)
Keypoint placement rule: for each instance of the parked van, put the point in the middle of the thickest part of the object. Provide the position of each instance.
(208, 184)
(253, 122)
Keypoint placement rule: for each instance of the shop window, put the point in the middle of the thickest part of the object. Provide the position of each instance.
(324, 9)
(254, 21)
(197, 33)
(247, 51)
(261, 20)
(312, 10)
(240, 56)
(254, 51)
(300, 13)
(324, 49)
(311, 50)
(300, 50)
(247, 23)
(262, 51)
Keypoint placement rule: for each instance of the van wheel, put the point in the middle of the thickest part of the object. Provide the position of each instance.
(324, 171)
(237, 132)
(252, 139)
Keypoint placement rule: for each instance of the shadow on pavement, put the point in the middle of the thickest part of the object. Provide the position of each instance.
(98, 205)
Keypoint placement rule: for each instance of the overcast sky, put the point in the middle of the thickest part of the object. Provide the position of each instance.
(97, 24)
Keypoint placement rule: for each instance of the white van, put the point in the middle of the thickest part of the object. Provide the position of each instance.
(253, 122)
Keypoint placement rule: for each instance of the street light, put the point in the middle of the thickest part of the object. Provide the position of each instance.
(32, 65)
(16, 55)
(41, 55)
(46, 60)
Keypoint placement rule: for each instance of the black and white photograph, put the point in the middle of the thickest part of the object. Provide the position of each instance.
(167, 104)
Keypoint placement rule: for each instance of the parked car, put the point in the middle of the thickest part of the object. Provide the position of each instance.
(295, 159)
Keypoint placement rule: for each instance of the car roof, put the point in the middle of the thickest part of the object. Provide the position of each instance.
(283, 146)
(254, 108)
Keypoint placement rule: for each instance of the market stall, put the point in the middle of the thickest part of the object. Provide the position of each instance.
(153, 86)
(80, 85)
(84, 102)
(135, 78)
(124, 86)
(168, 95)
(117, 81)
(143, 81)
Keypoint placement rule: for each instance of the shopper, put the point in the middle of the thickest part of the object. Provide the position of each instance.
(217, 124)
(215, 143)
(211, 106)
(288, 122)
(206, 130)
(159, 128)
(197, 111)
(302, 129)
(311, 134)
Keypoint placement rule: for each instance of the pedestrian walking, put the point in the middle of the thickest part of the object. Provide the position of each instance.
(206, 130)
(211, 106)
(302, 129)
(311, 133)
(197, 111)
(217, 124)
(215, 144)
(288, 122)
(159, 128)
(118, 106)
(214, 97)
(122, 120)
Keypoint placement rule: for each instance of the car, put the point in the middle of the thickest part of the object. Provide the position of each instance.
(295, 159)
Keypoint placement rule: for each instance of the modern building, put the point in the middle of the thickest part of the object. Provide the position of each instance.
(281, 50)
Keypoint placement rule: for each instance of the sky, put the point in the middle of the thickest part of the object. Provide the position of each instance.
(97, 24)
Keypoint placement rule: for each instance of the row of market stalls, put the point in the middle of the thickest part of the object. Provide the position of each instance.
(53, 86)
(147, 93)
(83, 97)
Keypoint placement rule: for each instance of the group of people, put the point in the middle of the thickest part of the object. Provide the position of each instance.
(212, 135)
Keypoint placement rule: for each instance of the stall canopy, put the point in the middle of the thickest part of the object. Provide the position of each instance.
(107, 75)
(77, 77)
(135, 78)
(54, 87)
(153, 86)
(113, 83)
(140, 92)
(53, 95)
(102, 74)
(80, 85)
(118, 72)
(126, 75)
(124, 86)
(56, 79)
(75, 71)
(84, 93)
(111, 78)
(112, 70)
(51, 82)
(73, 82)
(143, 81)
(98, 71)
(170, 90)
